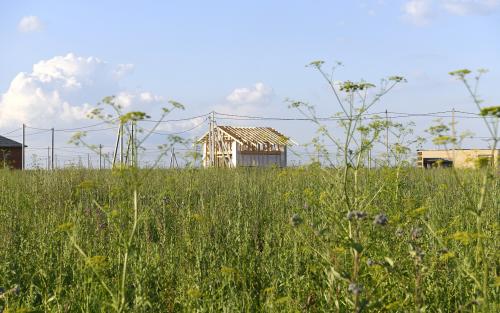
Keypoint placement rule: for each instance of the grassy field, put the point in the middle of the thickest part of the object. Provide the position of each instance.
(246, 240)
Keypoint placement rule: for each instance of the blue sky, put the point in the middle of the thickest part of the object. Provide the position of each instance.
(241, 57)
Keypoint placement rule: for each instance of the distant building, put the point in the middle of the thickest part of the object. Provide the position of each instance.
(244, 146)
(10, 153)
(458, 158)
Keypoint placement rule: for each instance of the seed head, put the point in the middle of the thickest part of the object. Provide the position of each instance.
(416, 233)
(380, 219)
(443, 250)
(165, 200)
(359, 215)
(417, 253)
(295, 220)
(355, 289)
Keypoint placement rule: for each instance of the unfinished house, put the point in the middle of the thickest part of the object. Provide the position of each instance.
(228, 146)
(458, 158)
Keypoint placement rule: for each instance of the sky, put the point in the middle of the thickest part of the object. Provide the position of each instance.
(59, 58)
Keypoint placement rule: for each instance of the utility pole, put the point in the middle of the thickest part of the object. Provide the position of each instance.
(132, 142)
(212, 138)
(370, 159)
(22, 150)
(453, 134)
(88, 161)
(116, 147)
(173, 159)
(52, 159)
(100, 157)
(387, 135)
(121, 145)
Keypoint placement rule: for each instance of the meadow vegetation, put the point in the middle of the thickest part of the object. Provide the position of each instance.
(245, 240)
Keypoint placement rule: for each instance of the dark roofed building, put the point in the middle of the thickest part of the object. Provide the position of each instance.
(11, 155)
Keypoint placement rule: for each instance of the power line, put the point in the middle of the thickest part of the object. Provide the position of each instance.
(12, 131)
(177, 133)
(227, 116)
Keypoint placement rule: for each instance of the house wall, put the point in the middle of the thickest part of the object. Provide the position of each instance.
(460, 158)
(248, 158)
(11, 157)
(204, 158)
(235, 153)
(251, 158)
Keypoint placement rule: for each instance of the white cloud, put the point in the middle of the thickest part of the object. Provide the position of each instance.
(61, 90)
(421, 12)
(258, 93)
(29, 24)
(128, 99)
(247, 100)
(418, 12)
(470, 7)
(123, 69)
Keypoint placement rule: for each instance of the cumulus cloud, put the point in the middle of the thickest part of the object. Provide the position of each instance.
(258, 93)
(470, 7)
(62, 90)
(29, 24)
(421, 12)
(126, 98)
(123, 69)
(418, 12)
(247, 100)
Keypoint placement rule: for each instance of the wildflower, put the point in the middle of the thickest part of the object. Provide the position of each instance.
(417, 253)
(416, 233)
(66, 227)
(443, 250)
(356, 215)
(165, 200)
(381, 219)
(370, 262)
(399, 232)
(194, 293)
(355, 289)
(295, 220)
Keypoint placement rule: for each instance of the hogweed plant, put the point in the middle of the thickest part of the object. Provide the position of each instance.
(491, 117)
(354, 100)
(480, 268)
(112, 113)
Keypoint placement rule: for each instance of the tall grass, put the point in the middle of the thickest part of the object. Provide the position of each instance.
(241, 240)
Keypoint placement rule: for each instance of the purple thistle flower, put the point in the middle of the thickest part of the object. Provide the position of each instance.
(381, 219)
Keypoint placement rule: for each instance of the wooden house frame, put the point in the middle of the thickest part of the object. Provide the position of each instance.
(228, 146)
